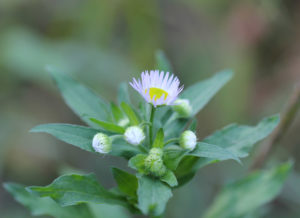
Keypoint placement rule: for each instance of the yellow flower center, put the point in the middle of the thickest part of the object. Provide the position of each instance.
(157, 92)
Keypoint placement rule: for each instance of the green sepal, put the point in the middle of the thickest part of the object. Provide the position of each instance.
(138, 163)
(169, 178)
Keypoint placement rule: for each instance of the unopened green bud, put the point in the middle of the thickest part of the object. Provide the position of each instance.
(183, 107)
(102, 143)
(154, 162)
(188, 140)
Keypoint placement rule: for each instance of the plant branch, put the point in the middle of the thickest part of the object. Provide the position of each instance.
(152, 113)
(287, 119)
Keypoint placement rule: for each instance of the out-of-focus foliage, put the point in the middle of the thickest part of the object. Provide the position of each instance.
(247, 195)
(106, 42)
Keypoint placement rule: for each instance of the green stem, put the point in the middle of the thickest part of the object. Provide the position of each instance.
(171, 141)
(152, 113)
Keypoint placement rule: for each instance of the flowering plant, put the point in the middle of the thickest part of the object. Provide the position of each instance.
(157, 137)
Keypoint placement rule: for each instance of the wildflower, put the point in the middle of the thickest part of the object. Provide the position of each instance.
(188, 140)
(154, 162)
(157, 87)
(134, 135)
(102, 143)
(182, 107)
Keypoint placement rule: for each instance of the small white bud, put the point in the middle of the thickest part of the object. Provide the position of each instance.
(134, 135)
(102, 143)
(183, 107)
(188, 140)
(123, 122)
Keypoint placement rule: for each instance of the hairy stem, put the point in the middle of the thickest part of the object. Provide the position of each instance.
(152, 113)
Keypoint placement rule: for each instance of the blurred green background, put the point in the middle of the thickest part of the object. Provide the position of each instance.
(103, 43)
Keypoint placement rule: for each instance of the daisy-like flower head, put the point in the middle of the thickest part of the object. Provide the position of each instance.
(158, 88)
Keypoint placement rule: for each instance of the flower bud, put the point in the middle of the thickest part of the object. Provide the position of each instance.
(183, 107)
(154, 162)
(123, 122)
(134, 135)
(102, 143)
(188, 140)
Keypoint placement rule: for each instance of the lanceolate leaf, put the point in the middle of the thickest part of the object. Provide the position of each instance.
(46, 206)
(153, 196)
(172, 157)
(159, 140)
(84, 102)
(249, 194)
(213, 151)
(134, 120)
(73, 189)
(200, 93)
(127, 182)
(239, 138)
(109, 126)
(117, 113)
(78, 136)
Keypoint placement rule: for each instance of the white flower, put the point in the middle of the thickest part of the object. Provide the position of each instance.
(134, 135)
(102, 143)
(157, 87)
(183, 107)
(188, 140)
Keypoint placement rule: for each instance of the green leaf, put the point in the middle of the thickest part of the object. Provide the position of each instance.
(109, 126)
(159, 140)
(213, 151)
(134, 120)
(122, 149)
(138, 162)
(239, 139)
(153, 195)
(123, 94)
(108, 211)
(162, 61)
(45, 206)
(249, 194)
(84, 102)
(127, 183)
(78, 136)
(169, 178)
(175, 128)
(117, 113)
(73, 189)
(200, 93)
(172, 157)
